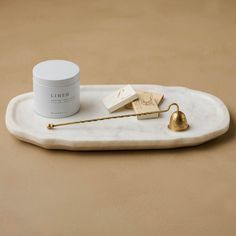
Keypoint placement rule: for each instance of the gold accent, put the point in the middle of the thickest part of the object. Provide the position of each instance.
(50, 126)
(178, 121)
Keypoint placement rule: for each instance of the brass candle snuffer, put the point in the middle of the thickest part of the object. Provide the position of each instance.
(178, 121)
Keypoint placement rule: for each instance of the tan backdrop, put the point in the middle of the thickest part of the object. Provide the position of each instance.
(189, 191)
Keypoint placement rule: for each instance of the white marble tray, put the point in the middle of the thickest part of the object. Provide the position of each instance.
(208, 118)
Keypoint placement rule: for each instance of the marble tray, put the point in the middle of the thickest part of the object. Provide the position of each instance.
(207, 116)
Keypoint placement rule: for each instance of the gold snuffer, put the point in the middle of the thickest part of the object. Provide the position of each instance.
(178, 120)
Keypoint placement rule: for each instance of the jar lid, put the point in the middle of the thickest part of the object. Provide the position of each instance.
(56, 73)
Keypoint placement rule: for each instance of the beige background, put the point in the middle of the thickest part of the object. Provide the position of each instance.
(189, 191)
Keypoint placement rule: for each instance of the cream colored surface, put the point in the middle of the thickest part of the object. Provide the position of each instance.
(188, 191)
(207, 115)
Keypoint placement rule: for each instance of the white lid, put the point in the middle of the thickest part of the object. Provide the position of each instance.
(56, 72)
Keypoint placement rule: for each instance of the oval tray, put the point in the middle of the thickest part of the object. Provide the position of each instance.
(207, 116)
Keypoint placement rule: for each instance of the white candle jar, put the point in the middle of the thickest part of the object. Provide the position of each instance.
(56, 88)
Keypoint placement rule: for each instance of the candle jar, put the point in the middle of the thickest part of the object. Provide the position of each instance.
(56, 88)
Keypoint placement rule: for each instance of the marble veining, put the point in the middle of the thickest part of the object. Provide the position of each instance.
(207, 116)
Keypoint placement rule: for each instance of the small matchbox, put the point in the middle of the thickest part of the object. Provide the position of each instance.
(147, 102)
(120, 98)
